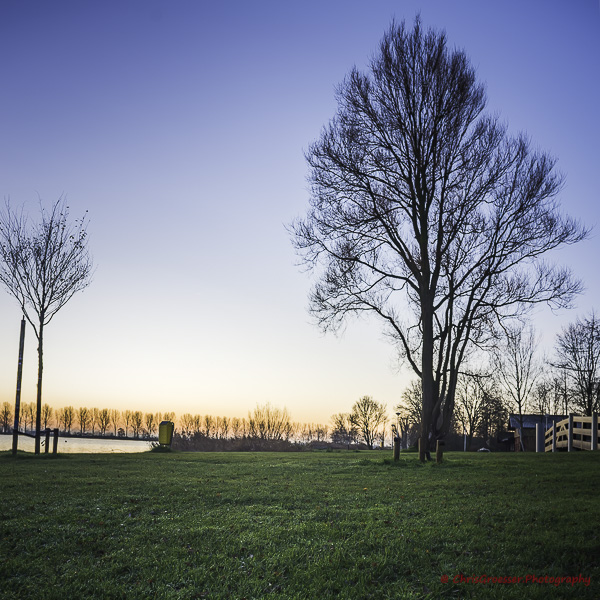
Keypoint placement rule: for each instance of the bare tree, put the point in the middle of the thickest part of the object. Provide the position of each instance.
(43, 265)
(27, 413)
(517, 368)
(137, 421)
(103, 420)
(169, 416)
(46, 415)
(542, 396)
(84, 417)
(115, 419)
(239, 427)
(65, 417)
(209, 425)
(269, 423)
(578, 355)
(94, 419)
(343, 430)
(427, 214)
(6, 414)
(473, 393)
(368, 416)
(127, 417)
(409, 412)
(151, 422)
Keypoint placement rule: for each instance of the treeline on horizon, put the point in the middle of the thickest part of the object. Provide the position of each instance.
(264, 423)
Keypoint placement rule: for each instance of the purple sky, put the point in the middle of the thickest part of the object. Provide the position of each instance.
(181, 126)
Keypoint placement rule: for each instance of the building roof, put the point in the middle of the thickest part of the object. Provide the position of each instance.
(530, 421)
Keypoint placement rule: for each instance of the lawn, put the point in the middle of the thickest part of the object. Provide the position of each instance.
(312, 525)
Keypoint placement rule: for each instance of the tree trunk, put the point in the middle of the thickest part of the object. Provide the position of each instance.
(427, 379)
(38, 414)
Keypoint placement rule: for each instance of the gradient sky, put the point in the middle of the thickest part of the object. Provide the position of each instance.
(181, 126)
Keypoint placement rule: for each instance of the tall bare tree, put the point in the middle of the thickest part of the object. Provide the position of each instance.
(43, 264)
(578, 355)
(426, 213)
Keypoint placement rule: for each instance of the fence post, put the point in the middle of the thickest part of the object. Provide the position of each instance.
(439, 451)
(594, 431)
(47, 446)
(570, 438)
(396, 448)
(553, 437)
(539, 438)
(55, 442)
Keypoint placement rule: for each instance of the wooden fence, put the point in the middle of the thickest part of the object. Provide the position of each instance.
(573, 433)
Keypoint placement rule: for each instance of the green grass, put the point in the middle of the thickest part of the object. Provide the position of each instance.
(307, 525)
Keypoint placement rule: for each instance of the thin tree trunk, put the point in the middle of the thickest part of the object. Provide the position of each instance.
(38, 414)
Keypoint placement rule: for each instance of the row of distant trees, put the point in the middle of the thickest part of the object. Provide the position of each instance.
(265, 423)
(84, 420)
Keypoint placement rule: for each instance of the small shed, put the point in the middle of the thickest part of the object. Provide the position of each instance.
(527, 433)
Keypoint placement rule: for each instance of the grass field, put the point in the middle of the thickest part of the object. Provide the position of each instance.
(318, 525)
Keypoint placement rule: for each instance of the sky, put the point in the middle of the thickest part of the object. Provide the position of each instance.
(181, 126)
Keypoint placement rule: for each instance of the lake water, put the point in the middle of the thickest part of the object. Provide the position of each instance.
(78, 445)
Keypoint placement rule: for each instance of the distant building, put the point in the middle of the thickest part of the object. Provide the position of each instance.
(527, 434)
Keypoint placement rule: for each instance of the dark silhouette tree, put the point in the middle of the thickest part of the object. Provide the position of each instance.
(426, 213)
(43, 265)
(343, 430)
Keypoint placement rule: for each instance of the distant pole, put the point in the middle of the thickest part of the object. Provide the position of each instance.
(18, 397)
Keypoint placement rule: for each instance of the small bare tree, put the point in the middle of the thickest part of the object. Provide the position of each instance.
(47, 412)
(368, 416)
(269, 423)
(137, 421)
(578, 355)
(517, 368)
(150, 420)
(474, 402)
(6, 414)
(343, 431)
(115, 419)
(103, 420)
(43, 265)
(84, 417)
(127, 417)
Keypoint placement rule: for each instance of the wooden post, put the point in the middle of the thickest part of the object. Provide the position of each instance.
(18, 397)
(396, 448)
(47, 447)
(55, 442)
(539, 438)
(421, 451)
(553, 437)
(439, 451)
(594, 445)
(570, 438)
